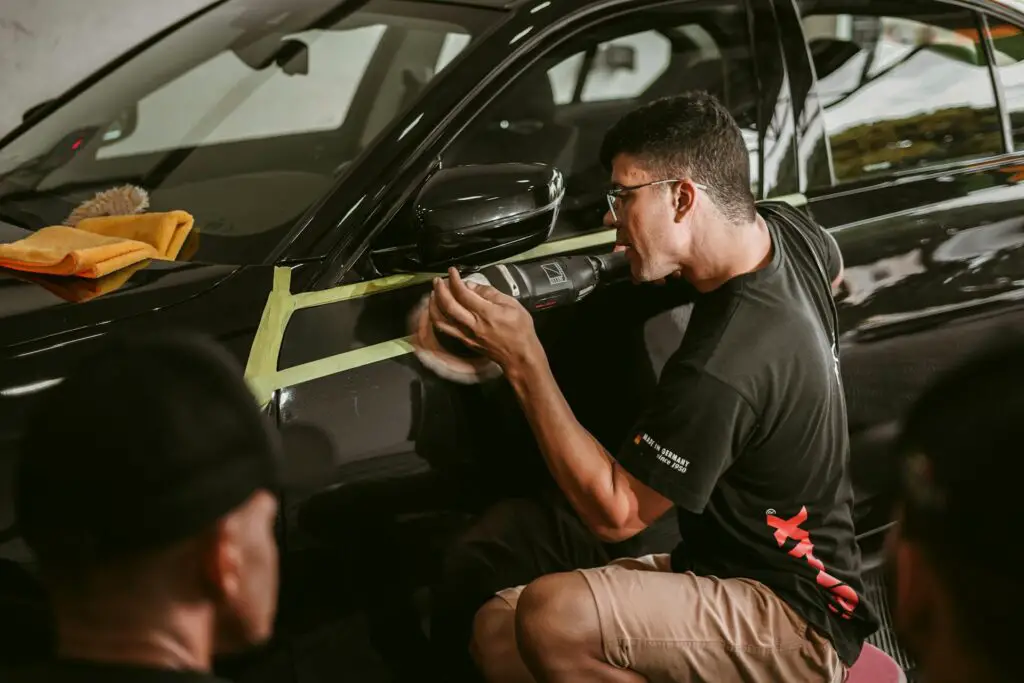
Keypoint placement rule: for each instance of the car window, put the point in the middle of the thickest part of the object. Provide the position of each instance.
(558, 111)
(903, 86)
(620, 68)
(1008, 53)
(244, 117)
(335, 62)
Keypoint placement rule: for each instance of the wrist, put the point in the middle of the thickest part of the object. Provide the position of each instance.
(526, 364)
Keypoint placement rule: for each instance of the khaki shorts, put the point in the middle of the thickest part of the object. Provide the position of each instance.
(676, 627)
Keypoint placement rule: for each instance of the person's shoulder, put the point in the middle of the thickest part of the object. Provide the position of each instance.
(788, 219)
(780, 210)
(808, 240)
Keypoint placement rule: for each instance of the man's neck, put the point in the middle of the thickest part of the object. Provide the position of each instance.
(754, 248)
(176, 642)
(750, 249)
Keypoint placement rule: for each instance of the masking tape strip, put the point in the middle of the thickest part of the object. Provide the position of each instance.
(341, 362)
(565, 246)
(261, 370)
(261, 366)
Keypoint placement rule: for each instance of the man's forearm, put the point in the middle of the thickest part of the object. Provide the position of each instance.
(583, 469)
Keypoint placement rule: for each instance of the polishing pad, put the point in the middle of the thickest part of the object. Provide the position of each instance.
(445, 356)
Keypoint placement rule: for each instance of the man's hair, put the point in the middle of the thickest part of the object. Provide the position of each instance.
(144, 444)
(690, 135)
(960, 447)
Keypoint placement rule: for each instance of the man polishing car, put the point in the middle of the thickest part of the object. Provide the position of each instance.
(745, 435)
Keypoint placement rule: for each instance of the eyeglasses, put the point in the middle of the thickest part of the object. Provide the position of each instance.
(615, 193)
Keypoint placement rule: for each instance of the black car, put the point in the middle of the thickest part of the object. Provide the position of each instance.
(310, 139)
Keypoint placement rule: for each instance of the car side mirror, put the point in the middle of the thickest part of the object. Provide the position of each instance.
(477, 214)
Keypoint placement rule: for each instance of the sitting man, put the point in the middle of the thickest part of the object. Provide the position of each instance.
(147, 491)
(746, 436)
(953, 554)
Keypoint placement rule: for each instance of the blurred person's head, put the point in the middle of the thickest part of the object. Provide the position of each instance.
(147, 492)
(681, 197)
(954, 556)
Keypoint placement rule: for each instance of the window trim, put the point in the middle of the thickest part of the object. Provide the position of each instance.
(997, 82)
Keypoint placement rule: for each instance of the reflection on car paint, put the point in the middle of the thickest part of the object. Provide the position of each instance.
(981, 244)
(863, 281)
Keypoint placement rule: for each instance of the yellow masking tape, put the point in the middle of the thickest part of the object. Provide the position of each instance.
(359, 289)
(266, 345)
(341, 362)
(261, 370)
(565, 246)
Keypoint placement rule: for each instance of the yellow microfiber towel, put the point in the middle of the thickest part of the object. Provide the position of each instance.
(59, 250)
(165, 231)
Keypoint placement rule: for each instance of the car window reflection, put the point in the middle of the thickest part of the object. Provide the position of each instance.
(902, 92)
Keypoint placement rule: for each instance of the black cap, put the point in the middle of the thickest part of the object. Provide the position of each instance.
(145, 443)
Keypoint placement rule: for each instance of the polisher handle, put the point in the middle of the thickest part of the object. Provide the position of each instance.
(556, 281)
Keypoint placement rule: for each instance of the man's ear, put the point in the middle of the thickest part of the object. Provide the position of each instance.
(684, 196)
(222, 558)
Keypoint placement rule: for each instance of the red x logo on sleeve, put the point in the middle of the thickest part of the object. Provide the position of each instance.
(786, 529)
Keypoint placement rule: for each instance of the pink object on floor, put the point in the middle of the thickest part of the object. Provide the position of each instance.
(874, 666)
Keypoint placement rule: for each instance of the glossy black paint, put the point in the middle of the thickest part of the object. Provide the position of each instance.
(476, 214)
(386, 460)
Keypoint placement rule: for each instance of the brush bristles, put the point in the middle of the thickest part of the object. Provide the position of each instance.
(117, 201)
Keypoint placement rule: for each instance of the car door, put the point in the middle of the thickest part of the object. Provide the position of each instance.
(909, 163)
(393, 457)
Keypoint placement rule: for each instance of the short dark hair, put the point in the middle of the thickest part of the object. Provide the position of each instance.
(145, 443)
(691, 134)
(960, 448)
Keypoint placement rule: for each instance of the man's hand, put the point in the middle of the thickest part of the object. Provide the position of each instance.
(483, 319)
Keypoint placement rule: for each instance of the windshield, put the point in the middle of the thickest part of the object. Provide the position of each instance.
(243, 117)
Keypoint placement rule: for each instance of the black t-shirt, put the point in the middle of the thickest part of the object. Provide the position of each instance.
(747, 435)
(81, 671)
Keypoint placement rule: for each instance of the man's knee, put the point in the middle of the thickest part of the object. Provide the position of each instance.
(493, 642)
(556, 619)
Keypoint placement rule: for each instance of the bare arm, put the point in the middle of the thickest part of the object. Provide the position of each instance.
(612, 503)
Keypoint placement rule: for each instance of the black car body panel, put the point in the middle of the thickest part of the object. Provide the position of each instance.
(36, 307)
(304, 273)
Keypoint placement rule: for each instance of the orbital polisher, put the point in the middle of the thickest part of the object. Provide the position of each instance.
(538, 285)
